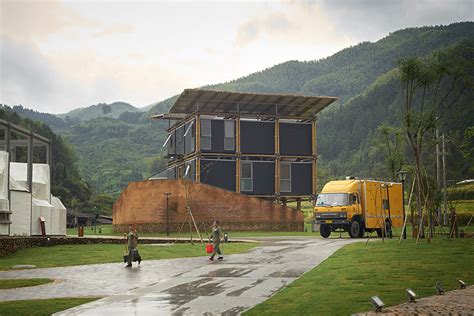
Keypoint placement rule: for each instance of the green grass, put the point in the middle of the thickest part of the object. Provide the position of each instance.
(68, 255)
(106, 230)
(464, 206)
(41, 307)
(15, 283)
(344, 283)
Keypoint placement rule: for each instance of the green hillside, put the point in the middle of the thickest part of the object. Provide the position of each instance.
(116, 148)
(350, 71)
(113, 110)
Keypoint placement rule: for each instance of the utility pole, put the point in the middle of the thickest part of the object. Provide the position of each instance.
(445, 198)
(167, 194)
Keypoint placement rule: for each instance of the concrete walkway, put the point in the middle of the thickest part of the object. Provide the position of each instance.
(188, 286)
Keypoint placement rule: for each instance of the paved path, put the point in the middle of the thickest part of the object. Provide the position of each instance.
(191, 286)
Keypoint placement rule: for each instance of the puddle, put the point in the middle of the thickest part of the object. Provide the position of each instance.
(227, 273)
(287, 274)
(242, 290)
(234, 311)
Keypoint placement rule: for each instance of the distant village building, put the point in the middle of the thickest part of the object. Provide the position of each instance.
(262, 145)
(27, 206)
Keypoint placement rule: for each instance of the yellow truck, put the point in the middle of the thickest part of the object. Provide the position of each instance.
(359, 206)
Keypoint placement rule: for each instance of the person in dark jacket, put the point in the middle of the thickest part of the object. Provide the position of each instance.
(132, 242)
(216, 240)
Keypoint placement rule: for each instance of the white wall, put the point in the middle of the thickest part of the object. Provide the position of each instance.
(20, 206)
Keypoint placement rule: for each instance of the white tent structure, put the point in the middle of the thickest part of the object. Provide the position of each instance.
(29, 209)
(26, 202)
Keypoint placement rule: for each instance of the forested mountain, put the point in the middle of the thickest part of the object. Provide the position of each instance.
(113, 110)
(350, 71)
(116, 148)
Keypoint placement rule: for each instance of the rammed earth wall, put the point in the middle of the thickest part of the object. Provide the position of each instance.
(144, 204)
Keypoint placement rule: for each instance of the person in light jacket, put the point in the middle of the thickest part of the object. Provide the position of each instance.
(132, 242)
(216, 240)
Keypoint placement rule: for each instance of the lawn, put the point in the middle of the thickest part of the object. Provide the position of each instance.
(106, 230)
(15, 283)
(464, 206)
(41, 307)
(68, 255)
(344, 283)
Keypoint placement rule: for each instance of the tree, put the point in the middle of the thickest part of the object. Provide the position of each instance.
(391, 145)
(106, 109)
(430, 87)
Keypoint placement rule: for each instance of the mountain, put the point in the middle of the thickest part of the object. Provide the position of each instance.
(116, 148)
(350, 71)
(56, 123)
(113, 110)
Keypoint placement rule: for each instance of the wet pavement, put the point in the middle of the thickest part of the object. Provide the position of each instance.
(187, 286)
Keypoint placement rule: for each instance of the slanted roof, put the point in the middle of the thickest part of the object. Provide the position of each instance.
(223, 102)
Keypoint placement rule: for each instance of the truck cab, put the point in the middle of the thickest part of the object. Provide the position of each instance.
(356, 206)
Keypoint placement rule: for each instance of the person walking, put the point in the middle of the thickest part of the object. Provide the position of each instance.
(216, 240)
(132, 242)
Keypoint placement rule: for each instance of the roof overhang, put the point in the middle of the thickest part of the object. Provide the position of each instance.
(254, 104)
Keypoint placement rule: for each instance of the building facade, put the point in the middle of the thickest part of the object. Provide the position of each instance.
(258, 144)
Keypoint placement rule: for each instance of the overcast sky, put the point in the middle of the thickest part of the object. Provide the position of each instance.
(60, 55)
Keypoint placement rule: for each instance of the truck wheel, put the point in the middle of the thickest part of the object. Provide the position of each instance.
(354, 229)
(379, 232)
(388, 229)
(362, 230)
(325, 230)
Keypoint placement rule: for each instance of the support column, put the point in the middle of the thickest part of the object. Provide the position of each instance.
(237, 175)
(198, 148)
(30, 163)
(314, 168)
(198, 169)
(277, 157)
(198, 134)
(238, 155)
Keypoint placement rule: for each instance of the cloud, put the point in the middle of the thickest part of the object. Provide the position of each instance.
(293, 22)
(38, 20)
(366, 19)
(26, 75)
(115, 29)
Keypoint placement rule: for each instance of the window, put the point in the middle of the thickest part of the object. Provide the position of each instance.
(206, 134)
(285, 177)
(189, 138)
(246, 182)
(229, 142)
(4, 217)
(333, 199)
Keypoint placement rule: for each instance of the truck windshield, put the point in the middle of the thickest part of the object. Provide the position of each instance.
(332, 199)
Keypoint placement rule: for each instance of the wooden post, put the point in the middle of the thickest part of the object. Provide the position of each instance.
(238, 155)
(237, 132)
(314, 169)
(237, 175)
(198, 169)
(198, 134)
(277, 157)
(198, 148)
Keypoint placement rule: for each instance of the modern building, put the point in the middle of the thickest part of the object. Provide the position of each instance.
(27, 206)
(258, 144)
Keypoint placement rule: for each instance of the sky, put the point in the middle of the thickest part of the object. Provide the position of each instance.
(56, 56)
